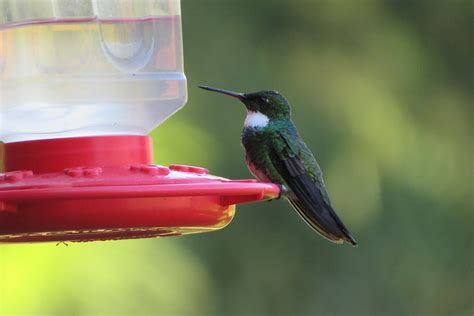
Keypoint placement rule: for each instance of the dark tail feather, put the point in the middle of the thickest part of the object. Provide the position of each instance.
(324, 220)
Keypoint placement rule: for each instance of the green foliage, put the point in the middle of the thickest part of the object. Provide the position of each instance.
(381, 92)
(125, 278)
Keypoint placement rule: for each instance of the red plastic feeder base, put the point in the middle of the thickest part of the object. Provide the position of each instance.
(102, 188)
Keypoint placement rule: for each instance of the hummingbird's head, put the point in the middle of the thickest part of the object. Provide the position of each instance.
(269, 103)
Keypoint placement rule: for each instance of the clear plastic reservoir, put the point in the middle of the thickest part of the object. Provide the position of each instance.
(73, 68)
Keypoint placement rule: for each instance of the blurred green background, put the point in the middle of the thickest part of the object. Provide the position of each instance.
(382, 93)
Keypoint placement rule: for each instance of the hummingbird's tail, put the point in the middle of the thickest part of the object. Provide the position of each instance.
(323, 219)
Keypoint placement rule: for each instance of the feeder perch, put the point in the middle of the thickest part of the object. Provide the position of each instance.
(81, 85)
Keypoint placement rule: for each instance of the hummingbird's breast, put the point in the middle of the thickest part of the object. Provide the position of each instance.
(255, 141)
(257, 172)
(256, 144)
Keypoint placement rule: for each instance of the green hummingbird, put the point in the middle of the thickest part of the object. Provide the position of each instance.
(275, 153)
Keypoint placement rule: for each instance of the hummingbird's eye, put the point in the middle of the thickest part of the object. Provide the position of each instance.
(266, 100)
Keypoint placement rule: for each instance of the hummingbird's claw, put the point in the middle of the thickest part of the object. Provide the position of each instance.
(284, 191)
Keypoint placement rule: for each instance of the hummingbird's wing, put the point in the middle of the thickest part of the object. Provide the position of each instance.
(308, 194)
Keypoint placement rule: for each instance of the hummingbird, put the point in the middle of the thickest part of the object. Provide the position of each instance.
(274, 152)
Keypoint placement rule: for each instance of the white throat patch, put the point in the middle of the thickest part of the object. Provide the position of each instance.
(256, 120)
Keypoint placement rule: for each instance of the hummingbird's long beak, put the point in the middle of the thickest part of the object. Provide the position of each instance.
(236, 95)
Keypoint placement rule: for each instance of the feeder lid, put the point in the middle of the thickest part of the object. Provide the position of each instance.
(134, 200)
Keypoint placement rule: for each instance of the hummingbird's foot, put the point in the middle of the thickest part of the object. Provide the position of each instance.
(62, 242)
(283, 190)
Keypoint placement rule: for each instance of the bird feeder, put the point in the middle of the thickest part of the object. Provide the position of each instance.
(82, 83)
